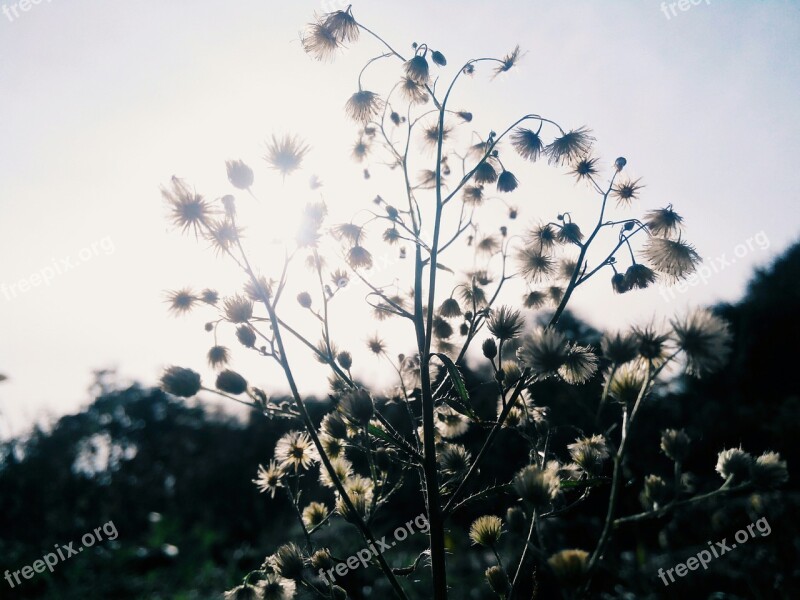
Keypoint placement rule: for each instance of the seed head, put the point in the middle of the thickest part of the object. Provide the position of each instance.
(180, 382)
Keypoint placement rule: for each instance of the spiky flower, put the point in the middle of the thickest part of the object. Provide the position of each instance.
(450, 308)
(239, 174)
(359, 257)
(585, 168)
(181, 301)
(357, 406)
(639, 276)
(286, 154)
(619, 284)
(663, 222)
(417, 70)
(231, 382)
(449, 423)
(454, 460)
(274, 587)
(473, 194)
(244, 592)
(188, 210)
(360, 150)
(626, 383)
(579, 365)
(430, 135)
(180, 382)
(626, 191)
(543, 235)
(258, 289)
(735, 463)
(544, 351)
(498, 580)
(294, 449)
(314, 514)
(569, 147)
(319, 42)
(413, 92)
(570, 233)
(269, 479)
(769, 471)
(507, 182)
(486, 530)
(376, 345)
(705, 340)
(508, 62)
(505, 323)
(288, 561)
(570, 567)
(536, 486)
(534, 264)
(218, 356)
(238, 309)
(342, 25)
(620, 348)
(675, 444)
(590, 453)
(534, 299)
(342, 468)
(652, 344)
(209, 296)
(527, 143)
(322, 559)
(485, 173)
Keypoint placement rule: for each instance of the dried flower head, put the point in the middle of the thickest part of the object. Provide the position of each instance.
(286, 154)
(238, 309)
(579, 365)
(485, 173)
(342, 25)
(357, 406)
(269, 479)
(769, 471)
(536, 486)
(620, 348)
(569, 147)
(505, 323)
(534, 299)
(239, 174)
(246, 336)
(498, 580)
(218, 356)
(570, 567)
(585, 168)
(534, 264)
(188, 210)
(181, 301)
(473, 195)
(359, 257)
(663, 222)
(223, 235)
(454, 460)
(288, 561)
(508, 62)
(294, 449)
(735, 463)
(244, 592)
(181, 382)
(705, 340)
(656, 492)
(527, 143)
(486, 530)
(342, 468)
(544, 351)
(449, 423)
(570, 233)
(618, 283)
(639, 276)
(652, 344)
(507, 182)
(274, 587)
(231, 382)
(314, 514)
(319, 42)
(590, 453)
(417, 70)
(626, 191)
(413, 92)
(376, 345)
(450, 308)
(626, 383)
(675, 444)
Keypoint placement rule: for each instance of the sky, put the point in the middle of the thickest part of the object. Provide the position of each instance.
(102, 102)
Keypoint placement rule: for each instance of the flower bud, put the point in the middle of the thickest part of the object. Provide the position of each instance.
(675, 444)
(438, 58)
(486, 530)
(489, 348)
(498, 580)
(515, 519)
(288, 561)
(181, 382)
(735, 463)
(246, 336)
(769, 471)
(321, 559)
(656, 492)
(620, 163)
(231, 382)
(304, 299)
(345, 360)
(569, 567)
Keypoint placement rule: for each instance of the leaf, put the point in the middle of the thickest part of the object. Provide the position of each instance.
(458, 384)
(443, 268)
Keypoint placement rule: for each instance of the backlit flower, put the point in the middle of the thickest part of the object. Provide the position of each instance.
(181, 301)
(319, 42)
(239, 174)
(705, 340)
(181, 382)
(294, 449)
(363, 106)
(569, 147)
(188, 210)
(285, 154)
(417, 70)
(663, 222)
(544, 351)
(527, 143)
(533, 264)
(486, 530)
(268, 480)
(342, 25)
(627, 191)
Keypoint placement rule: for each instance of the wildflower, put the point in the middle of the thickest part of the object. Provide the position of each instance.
(427, 179)
(705, 340)
(515, 519)
(223, 235)
(360, 501)
(473, 194)
(489, 348)
(321, 559)
(627, 191)
(269, 479)
(619, 348)
(288, 561)
(257, 290)
(181, 382)
(536, 486)
(579, 365)
(231, 382)
(314, 514)
(498, 580)
(360, 151)
(506, 182)
(274, 587)
(589, 453)
(570, 567)
(413, 92)
(454, 459)
(486, 530)
(652, 345)
(286, 154)
(523, 413)
(675, 444)
(544, 351)
(505, 323)
(359, 257)
(333, 447)
(556, 294)
(619, 284)
(181, 301)
(294, 449)
(319, 42)
(473, 295)
(769, 471)
(584, 168)
(376, 345)
(639, 276)
(570, 233)
(735, 463)
(345, 360)
(567, 148)
(656, 492)
(534, 299)
(527, 143)
(511, 371)
(333, 425)
(246, 336)
(188, 210)
(391, 235)
(209, 296)
(416, 69)
(663, 222)
(342, 25)
(534, 264)
(508, 62)
(244, 592)
(449, 423)
(238, 309)
(485, 173)
(441, 328)
(239, 174)
(358, 407)
(626, 383)
(431, 135)
(566, 268)
(450, 308)
(217, 356)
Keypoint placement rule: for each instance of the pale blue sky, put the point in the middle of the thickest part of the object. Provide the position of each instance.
(102, 102)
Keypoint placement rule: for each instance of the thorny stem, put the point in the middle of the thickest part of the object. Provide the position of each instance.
(524, 555)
